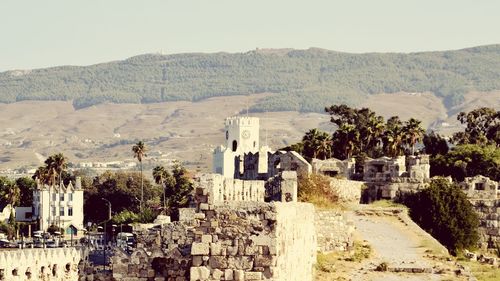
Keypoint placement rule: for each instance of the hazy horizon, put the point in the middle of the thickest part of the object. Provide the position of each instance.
(40, 34)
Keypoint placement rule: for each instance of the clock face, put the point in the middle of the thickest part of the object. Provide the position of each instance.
(245, 134)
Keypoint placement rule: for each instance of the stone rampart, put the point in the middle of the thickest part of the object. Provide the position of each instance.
(230, 241)
(219, 189)
(334, 232)
(59, 264)
(347, 190)
(489, 219)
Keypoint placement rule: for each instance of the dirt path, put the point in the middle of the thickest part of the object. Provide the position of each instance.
(408, 251)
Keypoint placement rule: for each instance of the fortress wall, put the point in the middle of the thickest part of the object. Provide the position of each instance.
(334, 232)
(231, 241)
(347, 190)
(217, 189)
(59, 264)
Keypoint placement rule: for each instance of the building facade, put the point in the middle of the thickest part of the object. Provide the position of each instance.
(61, 206)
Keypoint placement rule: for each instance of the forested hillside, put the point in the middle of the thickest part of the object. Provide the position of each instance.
(303, 80)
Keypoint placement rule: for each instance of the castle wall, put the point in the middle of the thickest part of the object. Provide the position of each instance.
(234, 241)
(334, 232)
(483, 193)
(347, 190)
(59, 264)
(217, 189)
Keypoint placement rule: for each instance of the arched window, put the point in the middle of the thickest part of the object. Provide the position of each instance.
(235, 145)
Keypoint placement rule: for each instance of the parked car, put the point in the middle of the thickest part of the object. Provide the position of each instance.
(4, 243)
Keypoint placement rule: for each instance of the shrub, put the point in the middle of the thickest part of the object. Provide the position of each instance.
(316, 189)
(444, 211)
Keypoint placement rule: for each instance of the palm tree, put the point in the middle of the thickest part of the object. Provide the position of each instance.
(374, 130)
(139, 150)
(393, 137)
(11, 194)
(59, 162)
(317, 144)
(324, 146)
(413, 133)
(160, 174)
(349, 138)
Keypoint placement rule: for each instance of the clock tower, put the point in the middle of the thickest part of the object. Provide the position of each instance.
(242, 134)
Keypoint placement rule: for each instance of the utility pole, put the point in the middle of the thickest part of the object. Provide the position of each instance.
(106, 230)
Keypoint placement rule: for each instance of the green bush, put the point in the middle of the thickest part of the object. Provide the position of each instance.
(444, 211)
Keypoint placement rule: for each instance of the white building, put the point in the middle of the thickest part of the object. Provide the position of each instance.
(59, 205)
(242, 136)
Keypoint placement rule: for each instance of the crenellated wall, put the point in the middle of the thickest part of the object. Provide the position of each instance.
(219, 189)
(59, 264)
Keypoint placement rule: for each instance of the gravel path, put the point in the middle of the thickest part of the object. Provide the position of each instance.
(395, 243)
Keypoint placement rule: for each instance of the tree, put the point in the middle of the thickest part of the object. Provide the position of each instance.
(435, 144)
(444, 211)
(317, 144)
(482, 127)
(359, 131)
(123, 190)
(346, 138)
(161, 176)
(26, 187)
(9, 192)
(54, 166)
(467, 161)
(413, 133)
(178, 190)
(393, 137)
(139, 150)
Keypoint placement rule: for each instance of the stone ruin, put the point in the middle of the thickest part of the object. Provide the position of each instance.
(232, 234)
(333, 167)
(484, 195)
(387, 178)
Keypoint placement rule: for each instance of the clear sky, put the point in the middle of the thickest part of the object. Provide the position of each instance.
(42, 33)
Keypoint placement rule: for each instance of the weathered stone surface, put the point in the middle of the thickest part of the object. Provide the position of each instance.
(200, 249)
(253, 275)
(228, 274)
(199, 273)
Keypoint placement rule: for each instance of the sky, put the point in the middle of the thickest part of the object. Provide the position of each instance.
(37, 34)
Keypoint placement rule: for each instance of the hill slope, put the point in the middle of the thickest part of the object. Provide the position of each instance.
(303, 80)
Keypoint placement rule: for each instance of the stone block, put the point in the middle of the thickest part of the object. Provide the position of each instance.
(218, 262)
(228, 274)
(252, 275)
(239, 275)
(199, 249)
(217, 274)
(206, 238)
(215, 249)
(197, 260)
(199, 273)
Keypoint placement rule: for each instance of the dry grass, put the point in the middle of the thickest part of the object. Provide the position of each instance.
(483, 272)
(338, 265)
(316, 189)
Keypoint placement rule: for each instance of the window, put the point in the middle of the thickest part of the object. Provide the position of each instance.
(235, 145)
(479, 186)
(70, 197)
(53, 211)
(70, 211)
(61, 211)
(61, 197)
(54, 197)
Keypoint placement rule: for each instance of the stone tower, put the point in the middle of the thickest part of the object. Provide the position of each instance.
(242, 136)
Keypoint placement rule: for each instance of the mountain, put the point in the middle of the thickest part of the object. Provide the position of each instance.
(298, 80)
